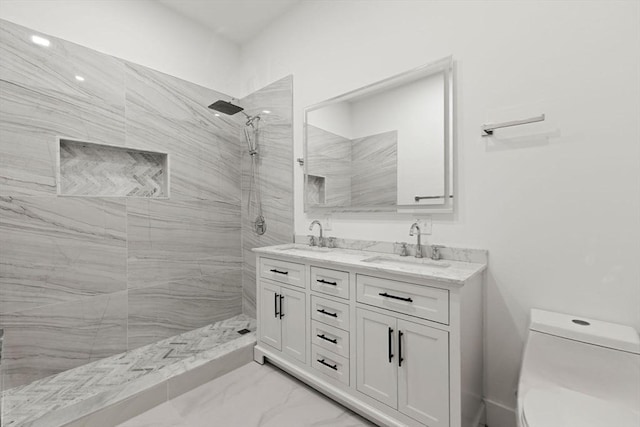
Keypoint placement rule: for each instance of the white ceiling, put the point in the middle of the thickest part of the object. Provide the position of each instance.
(235, 20)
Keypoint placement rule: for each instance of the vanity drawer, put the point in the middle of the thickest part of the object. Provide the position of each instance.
(330, 338)
(290, 273)
(330, 282)
(330, 364)
(408, 298)
(330, 312)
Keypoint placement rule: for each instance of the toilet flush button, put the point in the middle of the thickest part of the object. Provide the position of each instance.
(581, 322)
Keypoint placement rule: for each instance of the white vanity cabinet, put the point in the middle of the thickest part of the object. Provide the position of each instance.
(404, 365)
(283, 310)
(400, 346)
(283, 325)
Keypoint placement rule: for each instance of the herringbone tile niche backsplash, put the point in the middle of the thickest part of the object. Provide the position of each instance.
(101, 170)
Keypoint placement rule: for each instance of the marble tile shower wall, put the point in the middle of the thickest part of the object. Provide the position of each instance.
(276, 179)
(82, 278)
(374, 164)
(329, 156)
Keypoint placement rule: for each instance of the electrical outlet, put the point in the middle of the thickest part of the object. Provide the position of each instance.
(326, 223)
(424, 224)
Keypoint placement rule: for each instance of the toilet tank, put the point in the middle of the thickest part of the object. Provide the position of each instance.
(596, 358)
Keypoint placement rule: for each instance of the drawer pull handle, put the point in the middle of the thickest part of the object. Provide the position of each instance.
(400, 359)
(334, 367)
(327, 282)
(335, 341)
(281, 310)
(327, 313)
(273, 270)
(384, 294)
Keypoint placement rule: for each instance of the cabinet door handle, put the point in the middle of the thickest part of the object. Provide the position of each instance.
(326, 282)
(327, 313)
(281, 310)
(386, 295)
(278, 271)
(334, 367)
(275, 305)
(390, 342)
(400, 359)
(322, 336)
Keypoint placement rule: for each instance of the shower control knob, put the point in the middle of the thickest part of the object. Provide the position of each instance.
(260, 226)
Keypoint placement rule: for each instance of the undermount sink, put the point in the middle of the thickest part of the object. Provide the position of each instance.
(304, 248)
(406, 261)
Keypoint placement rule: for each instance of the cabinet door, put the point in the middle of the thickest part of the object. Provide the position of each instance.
(294, 338)
(423, 374)
(270, 331)
(377, 373)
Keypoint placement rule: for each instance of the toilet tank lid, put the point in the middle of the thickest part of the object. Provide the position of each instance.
(611, 335)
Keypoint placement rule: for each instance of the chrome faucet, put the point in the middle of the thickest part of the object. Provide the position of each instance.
(416, 228)
(320, 239)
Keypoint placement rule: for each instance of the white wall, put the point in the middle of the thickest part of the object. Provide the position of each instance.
(140, 31)
(334, 118)
(560, 213)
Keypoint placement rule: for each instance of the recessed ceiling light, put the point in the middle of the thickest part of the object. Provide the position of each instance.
(266, 111)
(40, 40)
(217, 115)
(80, 78)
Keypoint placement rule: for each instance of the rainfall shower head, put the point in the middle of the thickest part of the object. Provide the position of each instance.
(225, 107)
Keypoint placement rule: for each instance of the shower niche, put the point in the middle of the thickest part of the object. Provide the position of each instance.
(315, 189)
(99, 170)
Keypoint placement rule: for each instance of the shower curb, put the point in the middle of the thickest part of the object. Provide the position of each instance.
(129, 407)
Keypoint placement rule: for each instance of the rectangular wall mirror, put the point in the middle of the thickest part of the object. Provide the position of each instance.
(385, 147)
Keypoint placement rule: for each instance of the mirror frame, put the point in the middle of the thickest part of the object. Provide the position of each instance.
(445, 65)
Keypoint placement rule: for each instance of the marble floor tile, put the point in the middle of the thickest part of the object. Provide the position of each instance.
(253, 395)
(164, 415)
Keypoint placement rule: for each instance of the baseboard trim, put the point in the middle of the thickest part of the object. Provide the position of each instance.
(499, 415)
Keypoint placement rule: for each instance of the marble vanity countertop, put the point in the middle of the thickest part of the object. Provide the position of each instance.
(444, 270)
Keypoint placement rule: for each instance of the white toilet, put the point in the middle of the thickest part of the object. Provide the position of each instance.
(579, 372)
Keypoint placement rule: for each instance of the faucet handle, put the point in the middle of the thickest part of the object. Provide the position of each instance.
(435, 251)
(403, 249)
(312, 240)
(331, 242)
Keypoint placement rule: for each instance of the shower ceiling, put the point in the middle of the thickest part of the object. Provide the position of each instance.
(235, 20)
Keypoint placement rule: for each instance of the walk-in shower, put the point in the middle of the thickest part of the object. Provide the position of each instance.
(251, 135)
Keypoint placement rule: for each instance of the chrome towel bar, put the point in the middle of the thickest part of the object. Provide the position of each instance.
(487, 130)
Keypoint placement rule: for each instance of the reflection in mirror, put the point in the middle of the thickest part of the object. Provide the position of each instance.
(384, 147)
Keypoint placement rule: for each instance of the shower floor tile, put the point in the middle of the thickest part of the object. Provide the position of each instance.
(69, 395)
(252, 395)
